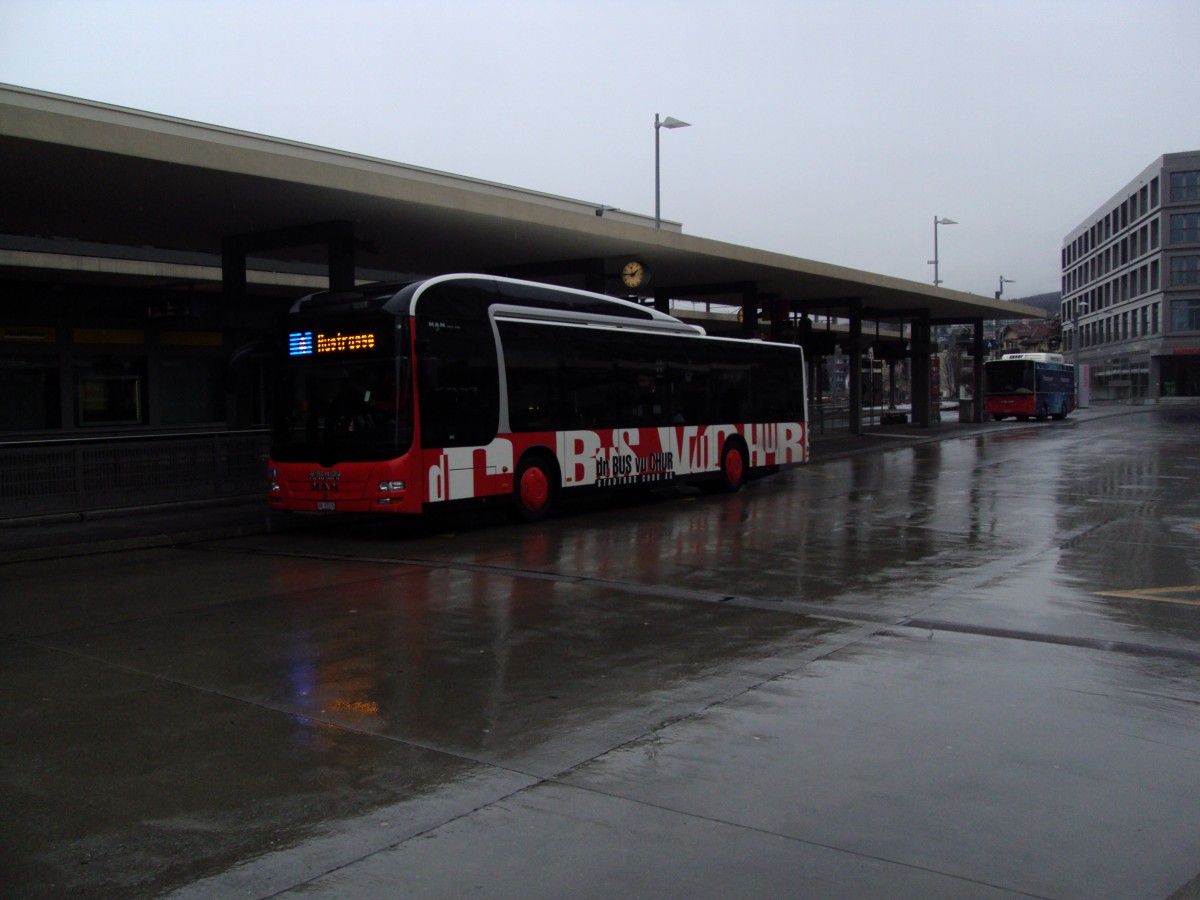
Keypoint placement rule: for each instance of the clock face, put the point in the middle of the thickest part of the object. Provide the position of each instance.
(633, 274)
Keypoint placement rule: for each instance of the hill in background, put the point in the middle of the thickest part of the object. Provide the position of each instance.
(1050, 303)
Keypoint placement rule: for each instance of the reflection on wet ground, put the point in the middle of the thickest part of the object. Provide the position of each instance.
(905, 657)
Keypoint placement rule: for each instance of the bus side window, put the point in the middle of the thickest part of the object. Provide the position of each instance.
(459, 392)
(531, 370)
(732, 393)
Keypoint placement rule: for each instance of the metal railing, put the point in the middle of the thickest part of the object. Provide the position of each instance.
(834, 418)
(74, 475)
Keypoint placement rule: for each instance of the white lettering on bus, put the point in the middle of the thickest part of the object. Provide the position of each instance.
(617, 457)
(716, 443)
(761, 440)
(578, 453)
(791, 443)
(453, 473)
(626, 441)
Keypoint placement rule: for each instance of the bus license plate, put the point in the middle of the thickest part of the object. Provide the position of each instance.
(325, 506)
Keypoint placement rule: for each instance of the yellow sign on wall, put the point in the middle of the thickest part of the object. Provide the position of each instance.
(109, 336)
(26, 334)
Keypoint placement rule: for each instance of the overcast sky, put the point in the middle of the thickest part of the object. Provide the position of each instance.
(833, 131)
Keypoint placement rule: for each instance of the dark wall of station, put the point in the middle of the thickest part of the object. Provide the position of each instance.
(86, 359)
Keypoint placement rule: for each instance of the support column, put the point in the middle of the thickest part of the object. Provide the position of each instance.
(750, 311)
(855, 342)
(977, 370)
(779, 317)
(921, 380)
(662, 300)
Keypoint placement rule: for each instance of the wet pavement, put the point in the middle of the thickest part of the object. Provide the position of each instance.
(951, 662)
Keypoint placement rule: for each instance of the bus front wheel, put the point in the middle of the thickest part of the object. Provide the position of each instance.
(533, 489)
(733, 470)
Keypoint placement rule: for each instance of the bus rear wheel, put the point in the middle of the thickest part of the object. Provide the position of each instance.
(533, 489)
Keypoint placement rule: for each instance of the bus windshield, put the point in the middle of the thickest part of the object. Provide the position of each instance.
(1010, 377)
(344, 404)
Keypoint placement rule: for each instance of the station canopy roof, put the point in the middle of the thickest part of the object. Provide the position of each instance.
(151, 190)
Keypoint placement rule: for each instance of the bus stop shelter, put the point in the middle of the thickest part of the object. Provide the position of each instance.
(107, 196)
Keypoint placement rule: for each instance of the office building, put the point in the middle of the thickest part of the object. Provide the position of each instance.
(1131, 287)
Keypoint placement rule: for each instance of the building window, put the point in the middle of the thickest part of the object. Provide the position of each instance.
(1154, 275)
(1185, 227)
(1154, 319)
(1185, 270)
(1185, 315)
(110, 391)
(1185, 185)
(29, 393)
(1145, 320)
(1153, 193)
(1154, 234)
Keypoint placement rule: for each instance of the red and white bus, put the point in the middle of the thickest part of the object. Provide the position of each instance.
(397, 398)
(1025, 385)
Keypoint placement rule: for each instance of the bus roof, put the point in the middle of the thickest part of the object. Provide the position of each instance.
(1036, 357)
(537, 299)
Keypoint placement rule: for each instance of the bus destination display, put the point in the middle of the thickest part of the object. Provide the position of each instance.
(308, 343)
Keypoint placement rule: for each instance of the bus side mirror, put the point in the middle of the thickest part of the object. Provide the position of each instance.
(240, 357)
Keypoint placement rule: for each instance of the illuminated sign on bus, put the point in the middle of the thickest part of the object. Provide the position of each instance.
(307, 343)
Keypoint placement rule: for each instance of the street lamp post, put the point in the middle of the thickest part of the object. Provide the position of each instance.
(668, 122)
(1079, 395)
(999, 293)
(934, 262)
(937, 331)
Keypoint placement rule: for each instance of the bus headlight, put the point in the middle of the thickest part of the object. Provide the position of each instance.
(392, 486)
(273, 487)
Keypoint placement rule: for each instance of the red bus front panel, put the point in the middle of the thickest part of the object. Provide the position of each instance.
(388, 486)
(1011, 405)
